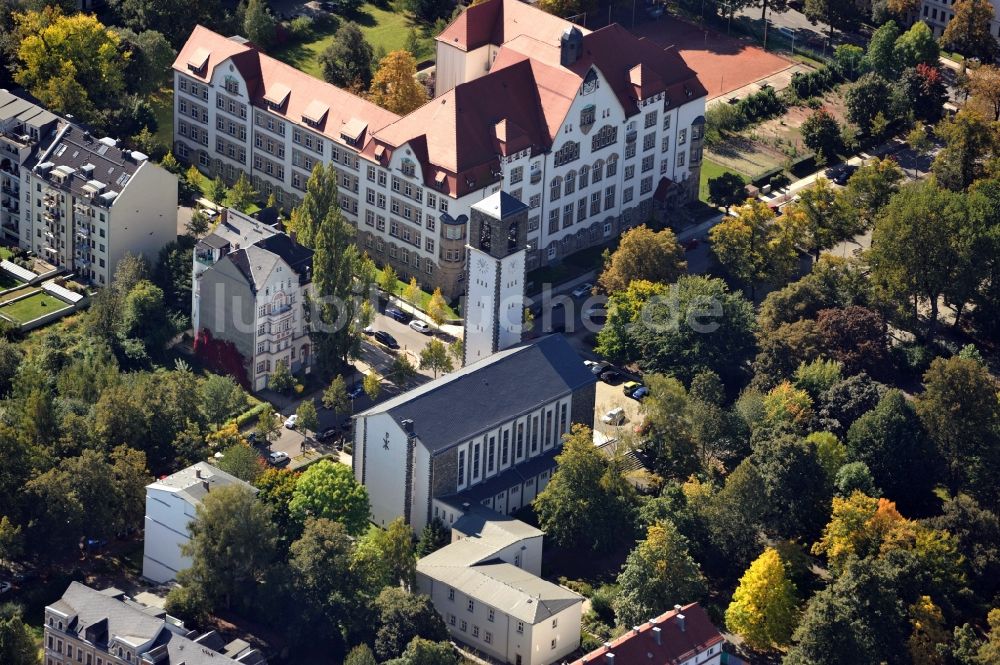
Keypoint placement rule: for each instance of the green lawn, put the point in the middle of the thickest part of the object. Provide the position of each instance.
(383, 28)
(205, 185)
(709, 170)
(424, 300)
(163, 107)
(8, 281)
(33, 306)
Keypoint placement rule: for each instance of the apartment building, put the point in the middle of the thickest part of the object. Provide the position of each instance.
(90, 627)
(486, 434)
(684, 635)
(24, 127)
(487, 587)
(938, 13)
(249, 286)
(171, 505)
(587, 128)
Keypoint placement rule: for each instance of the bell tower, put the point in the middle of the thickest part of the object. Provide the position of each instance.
(495, 275)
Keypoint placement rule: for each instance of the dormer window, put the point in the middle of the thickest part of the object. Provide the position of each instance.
(408, 167)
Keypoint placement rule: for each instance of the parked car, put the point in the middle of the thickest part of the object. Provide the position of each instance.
(598, 310)
(692, 244)
(397, 314)
(382, 337)
(630, 387)
(583, 290)
(611, 376)
(327, 434)
(615, 416)
(420, 326)
(356, 391)
(598, 368)
(4, 587)
(278, 458)
(368, 330)
(291, 421)
(640, 393)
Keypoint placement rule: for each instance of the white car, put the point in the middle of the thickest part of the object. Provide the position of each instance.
(278, 458)
(292, 421)
(615, 416)
(420, 326)
(582, 290)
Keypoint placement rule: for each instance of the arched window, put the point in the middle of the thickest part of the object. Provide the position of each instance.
(612, 167)
(555, 188)
(570, 183)
(584, 176)
(566, 154)
(598, 170)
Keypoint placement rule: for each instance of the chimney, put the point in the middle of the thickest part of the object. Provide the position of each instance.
(407, 425)
(677, 608)
(609, 658)
(204, 484)
(465, 507)
(657, 635)
(291, 235)
(197, 473)
(680, 622)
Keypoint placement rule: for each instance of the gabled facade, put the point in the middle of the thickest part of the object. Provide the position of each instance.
(583, 127)
(249, 286)
(486, 434)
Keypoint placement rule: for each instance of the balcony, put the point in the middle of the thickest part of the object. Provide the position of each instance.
(279, 310)
(82, 232)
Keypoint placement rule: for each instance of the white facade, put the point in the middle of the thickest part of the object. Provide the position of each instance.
(938, 13)
(171, 505)
(494, 303)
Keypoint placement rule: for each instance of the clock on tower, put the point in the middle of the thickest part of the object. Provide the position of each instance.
(494, 281)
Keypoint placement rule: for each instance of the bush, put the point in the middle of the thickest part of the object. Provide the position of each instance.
(579, 586)
(300, 28)
(806, 85)
(250, 415)
(600, 603)
(913, 358)
(760, 106)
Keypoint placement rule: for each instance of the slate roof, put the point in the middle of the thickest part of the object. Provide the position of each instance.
(187, 482)
(76, 148)
(256, 262)
(506, 587)
(461, 404)
(515, 475)
(676, 645)
(99, 616)
(500, 204)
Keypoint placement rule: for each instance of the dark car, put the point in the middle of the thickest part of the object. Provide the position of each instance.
(397, 314)
(327, 434)
(356, 391)
(383, 337)
(612, 376)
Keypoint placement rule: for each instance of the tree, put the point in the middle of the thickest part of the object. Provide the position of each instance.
(968, 32)
(372, 385)
(402, 617)
(347, 61)
(892, 442)
(425, 652)
(394, 86)
(880, 56)
(411, 293)
(787, 405)
(11, 540)
(847, 400)
(17, 646)
(960, 411)
(755, 246)
(587, 503)
(984, 86)
(281, 379)
(437, 308)
(643, 254)
(266, 428)
(70, 63)
(217, 191)
(836, 14)
(242, 461)
(763, 611)
(917, 46)
(818, 376)
(868, 98)
(870, 189)
(275, 489)
(928, 632)
(221, 398)
(825, 218)
(242, 195)
(340, 273)
(232, 546)
(969, 141)
(433, 537)
(657, 574)
(328, 489)
(566, 7)
(821, 134)
(308, 419)
(150, 57)
(388, 556)
(727, 190)
(259, 24)
(914, 253)
(854, 336)
(796, 505)
(388, 281)
(320, 560)
(401, 370)
(435, 357)
(977, 530)
(360, 655)
(335, 396)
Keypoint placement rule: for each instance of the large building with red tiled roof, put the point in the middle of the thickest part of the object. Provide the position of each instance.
(594, 131)
(683, 636)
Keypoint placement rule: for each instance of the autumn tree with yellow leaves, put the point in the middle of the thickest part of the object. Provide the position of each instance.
(395, 87)
(765, 604)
